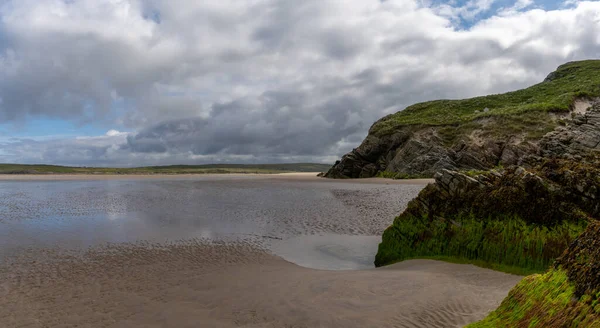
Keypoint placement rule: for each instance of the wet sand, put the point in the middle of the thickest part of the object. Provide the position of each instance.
(293, 176)
(199, 285)
(217, 251)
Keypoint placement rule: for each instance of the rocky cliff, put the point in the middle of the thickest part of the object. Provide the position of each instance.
(513, 219)
(558, 118)
(520, 220)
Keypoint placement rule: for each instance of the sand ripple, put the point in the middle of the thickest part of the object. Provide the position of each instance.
(57, 270)
(198, 284)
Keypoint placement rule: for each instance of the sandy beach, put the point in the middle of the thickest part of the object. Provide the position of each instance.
(291, 250)
(293, 176)
(199, 285)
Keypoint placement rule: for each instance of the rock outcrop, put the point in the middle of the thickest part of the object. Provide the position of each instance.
(470, 217)
(581, 261)
(554, 191)
(517, 191)
(417, 142)
(580, 138)
(422, 151)
(567, 295)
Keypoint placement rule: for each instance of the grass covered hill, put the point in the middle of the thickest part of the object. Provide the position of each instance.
(556, 94)
(173, 169)
(482, 132)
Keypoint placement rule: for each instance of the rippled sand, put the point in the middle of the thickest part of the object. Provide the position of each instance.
(80, 253)
(199, 285)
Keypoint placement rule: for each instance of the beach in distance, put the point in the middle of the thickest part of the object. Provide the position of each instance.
(285, 250)
(291, 176)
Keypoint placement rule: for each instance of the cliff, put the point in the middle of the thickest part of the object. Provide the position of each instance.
(517, 189)
(517, 220)
(514, 219)
(558, 118)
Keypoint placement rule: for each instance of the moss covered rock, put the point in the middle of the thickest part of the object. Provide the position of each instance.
(568, 295)
(510, 219)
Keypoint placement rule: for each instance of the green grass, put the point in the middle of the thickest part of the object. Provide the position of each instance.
(546, 300)
(172, 169)
(570, 81)
(507, 243)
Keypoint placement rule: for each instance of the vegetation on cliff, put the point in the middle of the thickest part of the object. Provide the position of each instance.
(568, 295)
(513, 220)
(504, 244)
(517, 219)
(558, 118)
(556, 94)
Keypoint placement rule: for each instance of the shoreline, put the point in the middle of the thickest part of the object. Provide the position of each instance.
(186, 276)
(232, 285)
(288, 176)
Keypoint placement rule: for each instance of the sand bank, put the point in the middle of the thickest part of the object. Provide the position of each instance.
(201, 285)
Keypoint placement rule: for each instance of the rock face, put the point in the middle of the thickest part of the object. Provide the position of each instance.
(458, 215)
(580, 138)
(556, 190)
(558, 118)
(423, 151)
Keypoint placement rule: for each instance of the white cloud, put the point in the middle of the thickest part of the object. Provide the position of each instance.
(263, 78)
(115, 133)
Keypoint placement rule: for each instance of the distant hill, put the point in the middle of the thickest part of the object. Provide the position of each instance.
(170, 169)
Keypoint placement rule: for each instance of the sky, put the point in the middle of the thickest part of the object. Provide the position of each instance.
(132, 82)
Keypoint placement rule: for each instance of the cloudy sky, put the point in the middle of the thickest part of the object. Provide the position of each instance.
(134, 82)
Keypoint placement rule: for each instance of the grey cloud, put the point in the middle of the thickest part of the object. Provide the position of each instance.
(271, 80)
(280, 123)
(60, 151)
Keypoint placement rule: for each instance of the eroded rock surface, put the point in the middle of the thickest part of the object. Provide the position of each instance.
(579, 138)
(536, 212)
(418, 151)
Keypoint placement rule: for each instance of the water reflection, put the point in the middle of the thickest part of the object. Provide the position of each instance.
(329, 251)
(284, 215)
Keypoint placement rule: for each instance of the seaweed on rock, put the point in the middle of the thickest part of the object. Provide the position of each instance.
(514, 220)
(568, 295)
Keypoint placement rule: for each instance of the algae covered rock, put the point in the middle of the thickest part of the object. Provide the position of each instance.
(581, 262)
(513, 219)
(568, 295)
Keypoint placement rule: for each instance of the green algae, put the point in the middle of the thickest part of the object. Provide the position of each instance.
(544, 300)
(507, 244)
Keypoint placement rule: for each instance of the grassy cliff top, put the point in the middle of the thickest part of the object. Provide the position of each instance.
(555, 94)
(173, 169)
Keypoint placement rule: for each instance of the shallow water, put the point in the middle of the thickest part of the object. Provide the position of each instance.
(320, 224)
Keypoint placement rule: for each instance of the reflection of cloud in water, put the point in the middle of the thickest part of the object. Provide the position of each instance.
(329, 252)
(206, 234)
(112, 216)
(82, 213)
